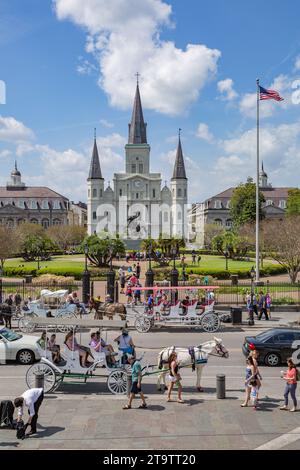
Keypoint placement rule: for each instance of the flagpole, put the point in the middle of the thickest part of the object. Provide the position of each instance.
(257, 191)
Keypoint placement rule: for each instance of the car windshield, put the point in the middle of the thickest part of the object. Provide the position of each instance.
(9, 335)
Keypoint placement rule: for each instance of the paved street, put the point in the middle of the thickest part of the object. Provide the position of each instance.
(82, 416)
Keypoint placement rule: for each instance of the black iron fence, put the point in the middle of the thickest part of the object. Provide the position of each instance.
(31, 289)
(281, 293)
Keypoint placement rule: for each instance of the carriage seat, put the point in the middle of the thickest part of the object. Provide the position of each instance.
(72, 359)
(44, 352)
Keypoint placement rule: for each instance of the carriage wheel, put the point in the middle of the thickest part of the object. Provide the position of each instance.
(25, 325)
(210, 322)
(50, 379)
(142, 324)
(117, 382)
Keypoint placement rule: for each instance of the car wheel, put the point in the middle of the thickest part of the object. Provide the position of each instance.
(25, 357)
(272, 359)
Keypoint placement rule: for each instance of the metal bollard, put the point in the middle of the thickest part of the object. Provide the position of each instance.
(221, 393)
(128, 385)
(39, 380)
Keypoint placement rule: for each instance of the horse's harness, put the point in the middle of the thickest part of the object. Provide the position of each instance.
(221, 352)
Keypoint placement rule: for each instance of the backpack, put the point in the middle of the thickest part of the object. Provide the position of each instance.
(21, 428)
(6, 413)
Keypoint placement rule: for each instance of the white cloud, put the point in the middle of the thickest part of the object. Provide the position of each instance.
(282, 84)
(12, 130)
(106, 123)
(85, 67)
(279, 150)
(204, 133)
(297, 63)
(226, 89)
(5, 153)
(125, 37)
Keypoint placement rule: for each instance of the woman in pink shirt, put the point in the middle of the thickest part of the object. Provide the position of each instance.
(291, 385)
(72, 345)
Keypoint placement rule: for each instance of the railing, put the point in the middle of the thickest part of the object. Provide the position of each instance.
(33, 289)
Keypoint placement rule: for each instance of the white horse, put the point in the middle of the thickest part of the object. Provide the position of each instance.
(201, 354)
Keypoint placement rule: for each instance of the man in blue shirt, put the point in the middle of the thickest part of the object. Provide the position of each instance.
(136, 388)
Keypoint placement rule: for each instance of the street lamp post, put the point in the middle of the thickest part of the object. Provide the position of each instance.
(174, 273)
(86, 278)
(111, 277)
(251, 313)
(149, 276)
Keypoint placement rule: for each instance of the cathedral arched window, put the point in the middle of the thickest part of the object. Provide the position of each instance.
(45, 223)
(179, 192)
(94, 215)
(94, 192)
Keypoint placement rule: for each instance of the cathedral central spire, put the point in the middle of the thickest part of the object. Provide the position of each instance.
(179, 167)
(137, 127)
(95, 169)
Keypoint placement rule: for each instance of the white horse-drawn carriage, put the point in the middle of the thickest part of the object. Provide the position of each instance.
(70, 367)
(170, 310)
(50, 304)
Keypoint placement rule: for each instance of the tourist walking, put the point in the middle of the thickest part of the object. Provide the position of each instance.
(250, 373)
(32, 399)
(262, 306)
(138, 270)
(122, 277)
(193, 257)
(268, 304)
(290, 376)
(136, 387)
(174, 377)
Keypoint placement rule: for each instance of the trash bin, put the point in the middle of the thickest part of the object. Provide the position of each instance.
(39, 380)
(221, 392)
(236, 315)
(28, 279)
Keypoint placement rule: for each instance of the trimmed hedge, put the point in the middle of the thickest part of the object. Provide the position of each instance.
(164, 273)
(75, 272)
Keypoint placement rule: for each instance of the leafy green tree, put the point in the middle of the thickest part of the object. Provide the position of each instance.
(211, 231)
(36, 246)
(293, 202)
(232, 244)
(66, 236)
(243, 204)
(100, 248)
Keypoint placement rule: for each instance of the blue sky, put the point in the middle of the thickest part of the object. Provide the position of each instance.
(69, 66)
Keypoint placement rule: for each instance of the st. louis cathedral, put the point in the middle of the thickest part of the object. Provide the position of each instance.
(137, 207)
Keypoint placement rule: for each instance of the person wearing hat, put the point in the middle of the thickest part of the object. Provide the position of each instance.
(125, 342)
(136, 388)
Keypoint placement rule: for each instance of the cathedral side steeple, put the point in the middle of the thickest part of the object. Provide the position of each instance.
(95, 189)
(179, 184)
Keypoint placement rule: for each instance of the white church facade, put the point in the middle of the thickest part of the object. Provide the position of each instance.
(137, 207)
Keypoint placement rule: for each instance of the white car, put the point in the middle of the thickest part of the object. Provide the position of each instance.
(16, 347)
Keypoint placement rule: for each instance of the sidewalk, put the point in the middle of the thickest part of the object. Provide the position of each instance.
(100, 423)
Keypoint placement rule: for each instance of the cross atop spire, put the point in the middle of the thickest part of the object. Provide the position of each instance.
(137, 77)
(95, 133)
(179, 167)
(137, 127)
(95, 169)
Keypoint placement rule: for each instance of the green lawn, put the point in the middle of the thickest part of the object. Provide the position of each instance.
(218, 262)
(65, 262)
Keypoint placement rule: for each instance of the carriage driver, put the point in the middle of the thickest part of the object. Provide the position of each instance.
(125, 342)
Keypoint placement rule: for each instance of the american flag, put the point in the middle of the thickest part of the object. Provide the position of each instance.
(269, 94)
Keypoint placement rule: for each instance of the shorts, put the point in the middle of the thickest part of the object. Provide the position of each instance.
(173, 379)
(135, 389)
